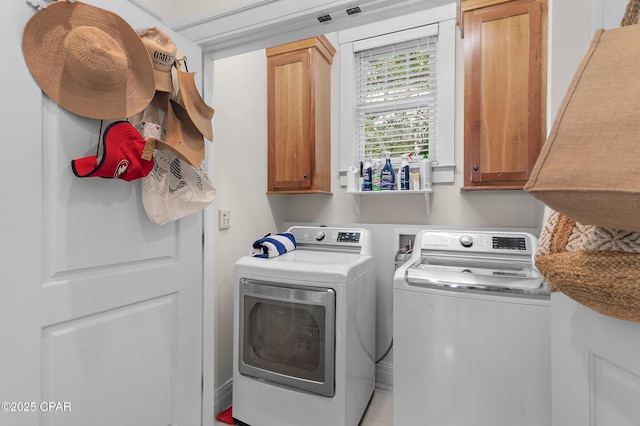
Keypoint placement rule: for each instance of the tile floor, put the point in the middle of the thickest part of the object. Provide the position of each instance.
(379, 412)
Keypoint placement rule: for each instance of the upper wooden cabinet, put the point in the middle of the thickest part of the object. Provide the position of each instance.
(504, 93)
(299, 116)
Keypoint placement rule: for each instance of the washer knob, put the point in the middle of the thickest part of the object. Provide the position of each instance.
(319, 235)
(466, 241)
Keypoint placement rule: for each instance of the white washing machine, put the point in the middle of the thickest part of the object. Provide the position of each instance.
(471, 332)
(304, 331)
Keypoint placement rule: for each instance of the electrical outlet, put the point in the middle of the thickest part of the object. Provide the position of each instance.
(224, 219)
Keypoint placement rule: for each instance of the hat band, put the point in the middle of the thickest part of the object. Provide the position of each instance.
(162, 61)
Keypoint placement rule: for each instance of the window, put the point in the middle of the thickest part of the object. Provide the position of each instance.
(397, 90)
(395, 99)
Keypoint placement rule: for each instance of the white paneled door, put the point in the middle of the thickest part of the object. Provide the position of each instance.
(100, 309)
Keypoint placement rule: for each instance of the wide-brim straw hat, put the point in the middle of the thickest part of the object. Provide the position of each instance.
(88, 60)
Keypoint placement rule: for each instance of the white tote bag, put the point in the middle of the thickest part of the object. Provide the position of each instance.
(174, 188)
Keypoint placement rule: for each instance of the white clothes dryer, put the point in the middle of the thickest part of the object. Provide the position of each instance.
(304, 331)
(471, 332)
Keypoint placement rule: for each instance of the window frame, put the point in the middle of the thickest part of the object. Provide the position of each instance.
(390, 31)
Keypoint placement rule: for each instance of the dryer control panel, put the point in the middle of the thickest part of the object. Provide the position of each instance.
(334, 239)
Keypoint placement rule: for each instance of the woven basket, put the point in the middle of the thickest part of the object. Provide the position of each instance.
(597, 267)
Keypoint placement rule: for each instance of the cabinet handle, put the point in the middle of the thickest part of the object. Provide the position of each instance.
(304, 176)
(475, 167)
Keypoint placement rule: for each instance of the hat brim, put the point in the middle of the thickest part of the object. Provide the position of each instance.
(163, 81)
(198, 111)
(43, 49)
(120, 155)
(182, 137)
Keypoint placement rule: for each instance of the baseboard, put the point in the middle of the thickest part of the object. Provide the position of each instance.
(384, 373)
(223, 397)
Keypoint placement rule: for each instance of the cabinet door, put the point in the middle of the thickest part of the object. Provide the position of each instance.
(290, 134)
(502, 94)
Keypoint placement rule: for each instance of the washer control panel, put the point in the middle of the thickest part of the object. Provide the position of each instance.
(479, 242)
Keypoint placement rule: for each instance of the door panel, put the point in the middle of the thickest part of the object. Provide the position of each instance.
(595, 366)
(615, 393)
(100, 309)
(81, 214)
(82, 356)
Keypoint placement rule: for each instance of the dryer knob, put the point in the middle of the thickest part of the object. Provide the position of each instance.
(319, 236)
(466, 240)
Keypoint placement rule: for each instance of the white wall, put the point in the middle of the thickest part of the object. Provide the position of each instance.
(240, 176)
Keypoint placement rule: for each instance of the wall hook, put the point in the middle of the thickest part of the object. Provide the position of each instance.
(36, 6)
(184, 62)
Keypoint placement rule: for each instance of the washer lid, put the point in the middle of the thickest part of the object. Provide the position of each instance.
(473, 273)
(307, 265)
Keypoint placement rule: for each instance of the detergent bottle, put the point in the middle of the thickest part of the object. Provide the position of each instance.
(388, 176)
(404, 173)
(366, 186)
(377, 170)
(426, 172)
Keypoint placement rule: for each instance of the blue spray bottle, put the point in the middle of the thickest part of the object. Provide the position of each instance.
(388, 176)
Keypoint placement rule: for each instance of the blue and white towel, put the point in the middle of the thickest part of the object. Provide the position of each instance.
(273, 245)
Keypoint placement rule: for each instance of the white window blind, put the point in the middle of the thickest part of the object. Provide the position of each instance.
(396, 98)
